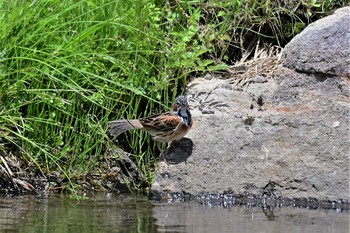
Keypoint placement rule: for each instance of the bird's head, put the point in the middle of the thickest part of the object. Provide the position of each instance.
(182, 109)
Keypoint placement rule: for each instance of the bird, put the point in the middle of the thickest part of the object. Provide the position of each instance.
(164, 127)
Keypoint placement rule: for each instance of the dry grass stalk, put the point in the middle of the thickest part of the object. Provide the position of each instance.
(257, 69)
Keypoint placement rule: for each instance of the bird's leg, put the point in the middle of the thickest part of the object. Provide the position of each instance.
(161, 151)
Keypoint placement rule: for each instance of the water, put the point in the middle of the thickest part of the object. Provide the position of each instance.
(126, 213)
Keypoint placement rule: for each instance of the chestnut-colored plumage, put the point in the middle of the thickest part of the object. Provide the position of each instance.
(164, 127)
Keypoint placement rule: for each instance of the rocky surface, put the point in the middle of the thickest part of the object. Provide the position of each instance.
(323, 47)
(287, 137)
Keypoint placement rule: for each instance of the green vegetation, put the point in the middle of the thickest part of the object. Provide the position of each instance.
(67, 67)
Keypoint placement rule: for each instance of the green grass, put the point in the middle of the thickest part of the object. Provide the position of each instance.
(233, 29)
(67, 67)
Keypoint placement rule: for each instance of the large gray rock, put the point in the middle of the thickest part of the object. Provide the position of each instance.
(295, 145)
(323, 47)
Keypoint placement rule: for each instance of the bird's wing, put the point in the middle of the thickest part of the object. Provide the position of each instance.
(162, 122)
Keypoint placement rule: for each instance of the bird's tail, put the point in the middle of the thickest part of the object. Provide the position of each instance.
(120, 126)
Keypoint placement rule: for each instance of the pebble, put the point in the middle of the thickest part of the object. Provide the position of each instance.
(336, 124)
(237, 115)
(208, 76)
(259, 79)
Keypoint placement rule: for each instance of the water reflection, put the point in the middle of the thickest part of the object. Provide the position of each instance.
(195, 218)
(62, 214)
(119, 213)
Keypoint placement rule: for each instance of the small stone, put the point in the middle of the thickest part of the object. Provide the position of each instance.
(207, 111)
(208, 76)
(259, 79)
(226, 86)
(336, 124)
(115, 169)
(237, 115)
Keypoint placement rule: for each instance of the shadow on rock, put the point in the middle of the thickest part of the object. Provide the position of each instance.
(179, 151)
